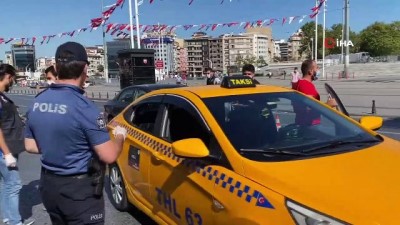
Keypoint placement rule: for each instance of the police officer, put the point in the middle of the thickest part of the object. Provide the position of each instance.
(70, 133)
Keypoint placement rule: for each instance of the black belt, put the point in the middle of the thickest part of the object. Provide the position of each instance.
(76, 176)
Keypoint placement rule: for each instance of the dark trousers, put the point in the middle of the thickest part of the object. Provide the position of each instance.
(69, 200)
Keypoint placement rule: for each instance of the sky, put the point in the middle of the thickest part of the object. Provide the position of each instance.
(27, 18)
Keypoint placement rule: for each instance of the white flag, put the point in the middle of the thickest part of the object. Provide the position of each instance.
(140, 2)
(291, 19)
(301, 20)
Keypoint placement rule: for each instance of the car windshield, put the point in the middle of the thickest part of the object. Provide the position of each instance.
(277, 126)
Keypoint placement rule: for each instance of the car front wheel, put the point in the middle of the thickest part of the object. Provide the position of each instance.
(117, 188)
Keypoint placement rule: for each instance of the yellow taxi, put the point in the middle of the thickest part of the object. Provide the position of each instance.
(245, 154)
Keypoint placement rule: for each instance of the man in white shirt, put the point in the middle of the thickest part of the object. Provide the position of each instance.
(295, 77)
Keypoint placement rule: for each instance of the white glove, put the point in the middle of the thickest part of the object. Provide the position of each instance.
(119, 131)
(10, 160)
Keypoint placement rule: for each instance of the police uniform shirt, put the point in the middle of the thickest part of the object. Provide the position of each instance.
(66, 126)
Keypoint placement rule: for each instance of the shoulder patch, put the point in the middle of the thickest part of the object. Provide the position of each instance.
(101, 122)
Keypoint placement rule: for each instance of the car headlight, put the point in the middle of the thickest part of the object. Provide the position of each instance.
(305, 216)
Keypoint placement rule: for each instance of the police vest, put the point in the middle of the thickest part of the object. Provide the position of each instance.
(11, 125)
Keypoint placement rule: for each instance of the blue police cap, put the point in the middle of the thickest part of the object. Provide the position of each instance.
(77, 52)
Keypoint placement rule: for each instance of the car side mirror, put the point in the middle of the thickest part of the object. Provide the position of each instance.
(371, 122)
(190, 148)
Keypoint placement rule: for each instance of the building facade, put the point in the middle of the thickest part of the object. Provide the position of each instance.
(180, 55)
(216, 54)
(112, 55)
(164, 50)
(294, 46)
(23, 57)
(198, 54)
(43, 62)
(9, 58)
(96, 58)
(284, 50)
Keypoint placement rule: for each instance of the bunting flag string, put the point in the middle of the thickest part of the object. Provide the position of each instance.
(119, 29)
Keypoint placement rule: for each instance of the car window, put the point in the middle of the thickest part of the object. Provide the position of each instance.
(184, 121)
(127, 95)
(145, 115)
(281, 121)
(139, 93)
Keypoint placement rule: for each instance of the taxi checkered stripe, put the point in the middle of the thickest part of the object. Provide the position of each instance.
(234, 187)
(226, 182)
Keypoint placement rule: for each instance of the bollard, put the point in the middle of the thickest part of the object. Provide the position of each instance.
(99, 95)
(107, 95)
(92, 95)
(373, 111)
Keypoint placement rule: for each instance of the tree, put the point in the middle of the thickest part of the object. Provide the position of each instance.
(239, 60)
(380, 39)
(308, 30)
(261, 62)
(100, 68)
(250, 60)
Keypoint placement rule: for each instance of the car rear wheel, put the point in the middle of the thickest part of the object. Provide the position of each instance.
(117, 188)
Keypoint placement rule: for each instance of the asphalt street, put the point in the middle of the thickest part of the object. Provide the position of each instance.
(29, 165)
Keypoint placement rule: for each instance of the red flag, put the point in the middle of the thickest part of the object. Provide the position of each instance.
(122, 26)
(284, 20)
(316, 8)
(44, 38)
(247, 25)
(202, 26)
(33, 40)
(259, 23)
(151, 1)
(1, 40)
(109, 26)
(314, 15)
(214, 26)
(96, 22)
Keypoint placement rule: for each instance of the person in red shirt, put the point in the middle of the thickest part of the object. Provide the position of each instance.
(310, 71)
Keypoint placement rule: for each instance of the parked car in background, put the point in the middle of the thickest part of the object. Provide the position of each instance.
(129, 94)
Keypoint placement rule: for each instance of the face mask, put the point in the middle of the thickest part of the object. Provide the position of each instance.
(316, 75)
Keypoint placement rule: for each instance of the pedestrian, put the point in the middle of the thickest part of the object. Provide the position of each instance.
(70, 133)
(184, 78)
(295, 77)
(11, 144)
(211, 78)
(51, 75)
(249, 70)
(310, 71)
(178, 79)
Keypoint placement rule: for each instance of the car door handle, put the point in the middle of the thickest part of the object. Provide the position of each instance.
(158, 156)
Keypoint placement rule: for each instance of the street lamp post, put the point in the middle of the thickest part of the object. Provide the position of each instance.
(211, 63)
(347, 31)
(312, 48)
(316, 34)
(323, 39)
(104, 48)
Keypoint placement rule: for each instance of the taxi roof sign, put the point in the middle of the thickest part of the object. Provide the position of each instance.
(237, 82)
